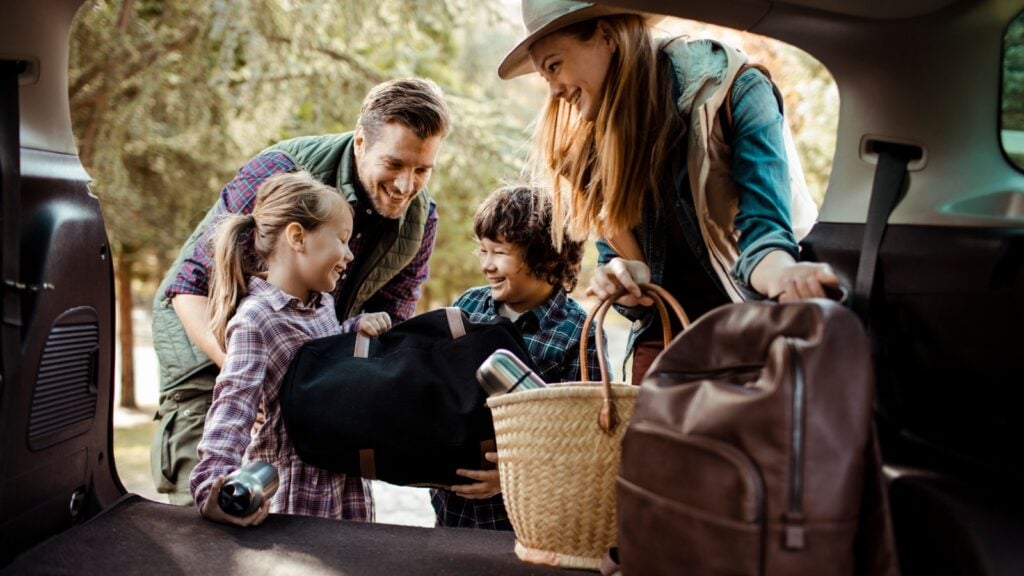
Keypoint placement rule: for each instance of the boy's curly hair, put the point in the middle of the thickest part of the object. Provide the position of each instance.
(521, 215)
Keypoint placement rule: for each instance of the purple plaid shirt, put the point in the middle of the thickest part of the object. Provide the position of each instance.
(262, 338)
(398, 297)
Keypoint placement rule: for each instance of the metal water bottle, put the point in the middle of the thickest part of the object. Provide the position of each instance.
(245, 489)
(503, 372)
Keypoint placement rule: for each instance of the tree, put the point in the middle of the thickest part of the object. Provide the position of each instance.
(168, 99)
(1013, 84)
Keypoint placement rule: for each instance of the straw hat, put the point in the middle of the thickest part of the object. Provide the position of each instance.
(541, 17)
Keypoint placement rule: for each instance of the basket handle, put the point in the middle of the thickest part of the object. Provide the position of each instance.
(607, 418)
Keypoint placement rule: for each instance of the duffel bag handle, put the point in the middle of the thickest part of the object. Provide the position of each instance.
(455, 325)
(607, 418)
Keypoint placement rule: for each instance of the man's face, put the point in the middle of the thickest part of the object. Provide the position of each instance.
(395, 166)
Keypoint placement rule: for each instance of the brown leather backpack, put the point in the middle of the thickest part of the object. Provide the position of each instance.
(751, 449)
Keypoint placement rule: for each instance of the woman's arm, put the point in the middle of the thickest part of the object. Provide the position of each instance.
(769, 251)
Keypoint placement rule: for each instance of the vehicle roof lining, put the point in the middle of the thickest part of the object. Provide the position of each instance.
(740, 13)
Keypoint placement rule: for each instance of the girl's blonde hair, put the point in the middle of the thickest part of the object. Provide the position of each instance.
(611, 164)
(243, 244)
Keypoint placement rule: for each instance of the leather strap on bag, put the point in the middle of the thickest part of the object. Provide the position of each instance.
(607, 417)
(367, 464)
(455, 325)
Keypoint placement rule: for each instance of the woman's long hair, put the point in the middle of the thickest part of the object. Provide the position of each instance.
(602, 171)
(243, 244)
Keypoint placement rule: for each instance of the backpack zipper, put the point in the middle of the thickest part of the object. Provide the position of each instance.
(691, 375)
(793, 525)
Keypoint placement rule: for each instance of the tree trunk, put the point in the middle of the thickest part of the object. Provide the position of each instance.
(123, 278)
(87, 143)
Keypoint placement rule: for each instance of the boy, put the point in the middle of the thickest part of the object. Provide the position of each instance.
(528, 283)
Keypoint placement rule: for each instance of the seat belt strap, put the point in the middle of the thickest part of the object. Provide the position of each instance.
(886, 192)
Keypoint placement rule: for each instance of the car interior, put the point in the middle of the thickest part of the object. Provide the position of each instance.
(921, 190)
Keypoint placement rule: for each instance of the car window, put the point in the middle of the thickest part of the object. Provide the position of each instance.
(1013, 91)
(807, 86)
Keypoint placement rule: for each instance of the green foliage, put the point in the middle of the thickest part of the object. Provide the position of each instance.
(1013, 76)
(170, 98)
(811, 98)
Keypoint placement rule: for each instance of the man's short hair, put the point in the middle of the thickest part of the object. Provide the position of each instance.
(521, 215)
(417, 104)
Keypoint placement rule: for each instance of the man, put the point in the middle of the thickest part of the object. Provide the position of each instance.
(382, 169)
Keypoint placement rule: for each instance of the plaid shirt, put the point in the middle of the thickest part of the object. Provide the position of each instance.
(552, 333)
(262, 338)
(398, 297)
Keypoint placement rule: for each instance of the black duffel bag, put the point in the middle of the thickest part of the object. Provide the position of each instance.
(406, 407)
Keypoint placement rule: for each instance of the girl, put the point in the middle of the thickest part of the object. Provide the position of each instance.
(272, 274)
(641, 146)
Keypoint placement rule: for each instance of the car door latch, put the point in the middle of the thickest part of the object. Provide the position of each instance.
(22, 287)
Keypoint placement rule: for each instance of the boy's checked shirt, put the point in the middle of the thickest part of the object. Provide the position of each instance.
(552, 333)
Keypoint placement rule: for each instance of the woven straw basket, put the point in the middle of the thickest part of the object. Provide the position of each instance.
(558, 454)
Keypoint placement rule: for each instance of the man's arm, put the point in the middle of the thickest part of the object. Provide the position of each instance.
(188, 292)
(195, 317)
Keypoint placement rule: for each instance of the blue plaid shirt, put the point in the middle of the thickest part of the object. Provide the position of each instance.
(552, 333)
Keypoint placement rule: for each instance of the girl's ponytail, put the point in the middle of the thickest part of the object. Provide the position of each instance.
(228, 278)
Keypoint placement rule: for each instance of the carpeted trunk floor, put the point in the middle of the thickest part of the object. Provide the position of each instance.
(138, 536)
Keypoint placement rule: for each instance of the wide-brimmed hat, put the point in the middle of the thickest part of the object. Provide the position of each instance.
(542, 17)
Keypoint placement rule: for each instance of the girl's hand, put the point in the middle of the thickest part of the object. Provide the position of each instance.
(620, 273)
(211, 510)
(374, 323)
(489, 484)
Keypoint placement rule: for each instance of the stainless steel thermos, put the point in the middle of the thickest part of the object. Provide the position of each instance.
(502, 372)
(245, 489)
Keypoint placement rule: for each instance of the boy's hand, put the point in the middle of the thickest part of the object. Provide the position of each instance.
(621, 273)
(374, 323)
(211, 510)
(489, 483)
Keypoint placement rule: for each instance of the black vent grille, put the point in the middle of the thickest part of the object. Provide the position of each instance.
(64, 397)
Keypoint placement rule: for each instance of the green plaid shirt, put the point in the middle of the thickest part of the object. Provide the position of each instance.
(552, 333)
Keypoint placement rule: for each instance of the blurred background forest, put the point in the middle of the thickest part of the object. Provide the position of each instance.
(168, 99)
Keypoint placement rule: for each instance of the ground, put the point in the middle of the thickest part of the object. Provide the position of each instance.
(134, 429)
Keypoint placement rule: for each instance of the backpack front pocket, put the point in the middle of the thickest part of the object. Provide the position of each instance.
(688, 504)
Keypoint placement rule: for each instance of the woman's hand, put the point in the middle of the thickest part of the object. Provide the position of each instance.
(211, 510)
(374, 323)
(620, 273)
(779, 276)
(488, 483)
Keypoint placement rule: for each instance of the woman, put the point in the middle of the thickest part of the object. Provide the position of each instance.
(636, 142)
